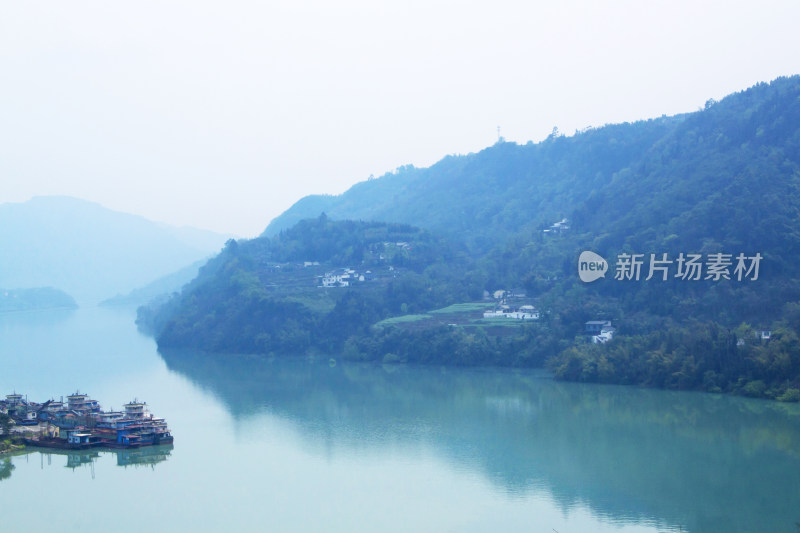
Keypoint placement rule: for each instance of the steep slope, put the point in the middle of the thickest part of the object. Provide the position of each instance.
(483, 197)
(725, 180)
(87, 250)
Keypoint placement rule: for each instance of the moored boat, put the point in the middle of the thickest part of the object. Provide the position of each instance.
(76, 440)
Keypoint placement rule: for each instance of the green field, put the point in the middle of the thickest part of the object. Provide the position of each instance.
(461, 314)
(464, 307)
(402, 320)
(500, 321)
(318, 300)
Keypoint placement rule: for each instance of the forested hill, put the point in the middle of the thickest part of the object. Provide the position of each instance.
(643, 173)
(722, 182)
(297, 291)
(481, 198)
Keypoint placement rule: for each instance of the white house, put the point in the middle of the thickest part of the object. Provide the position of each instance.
(525, 312)
(605, 335)
(344, 277)
(337, 278)
(558, 227)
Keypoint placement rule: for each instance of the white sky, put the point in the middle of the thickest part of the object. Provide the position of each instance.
(220, 115)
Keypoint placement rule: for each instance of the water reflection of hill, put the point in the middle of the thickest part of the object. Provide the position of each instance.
(707, 463)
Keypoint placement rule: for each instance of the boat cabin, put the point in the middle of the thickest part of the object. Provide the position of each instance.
(76, 437)
(13, 399)
(135, 409)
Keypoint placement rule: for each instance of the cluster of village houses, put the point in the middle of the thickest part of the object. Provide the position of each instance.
(506, 308)
(523, 312)
(24, 412)
(344, 277)
(599, 331)
(16, 407)
(76, 410)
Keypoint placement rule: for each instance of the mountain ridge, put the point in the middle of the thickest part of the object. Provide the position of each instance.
(87, 250)
(491, 185)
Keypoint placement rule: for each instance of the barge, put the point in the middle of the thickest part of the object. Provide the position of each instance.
(75, 441)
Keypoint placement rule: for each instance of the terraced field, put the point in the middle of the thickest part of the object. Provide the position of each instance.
(466, 315)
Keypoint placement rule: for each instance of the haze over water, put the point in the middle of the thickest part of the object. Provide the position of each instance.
(304, 445)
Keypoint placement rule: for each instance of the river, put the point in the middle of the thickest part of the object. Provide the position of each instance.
(298, 444)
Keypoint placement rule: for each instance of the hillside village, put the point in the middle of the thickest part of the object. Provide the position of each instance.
(344, 277)
(511, 304)
(507, 304)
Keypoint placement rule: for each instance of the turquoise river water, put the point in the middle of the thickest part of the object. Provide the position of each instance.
(308, 445)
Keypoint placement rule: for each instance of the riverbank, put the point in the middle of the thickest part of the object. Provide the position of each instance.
(10, 445)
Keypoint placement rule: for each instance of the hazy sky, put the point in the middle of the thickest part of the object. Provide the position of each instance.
(221, 114)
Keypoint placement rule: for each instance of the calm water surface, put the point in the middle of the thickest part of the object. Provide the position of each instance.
(301, 445)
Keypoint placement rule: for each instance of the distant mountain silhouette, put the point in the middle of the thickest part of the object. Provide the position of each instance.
(161, 287)
(89, 251)
(34, 299)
